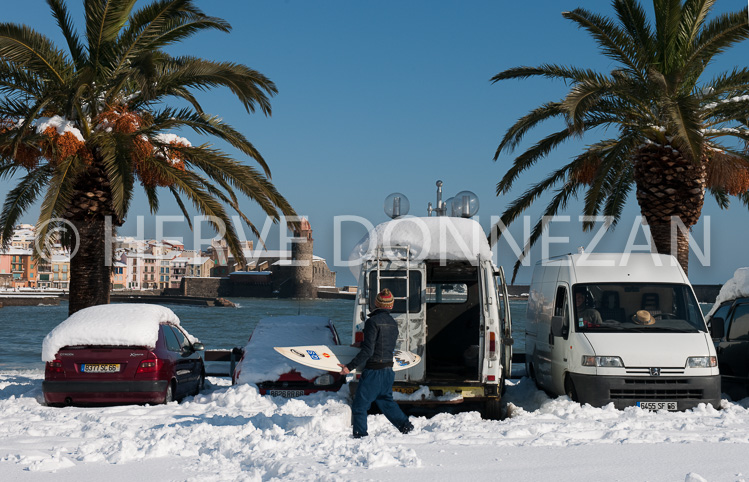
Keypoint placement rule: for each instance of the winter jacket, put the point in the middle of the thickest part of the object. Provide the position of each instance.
(380, 337)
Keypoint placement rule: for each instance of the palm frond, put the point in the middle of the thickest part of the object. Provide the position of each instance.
(19, 199)
(24, 47)
(614, 42)
(64, 21)
(515, 133)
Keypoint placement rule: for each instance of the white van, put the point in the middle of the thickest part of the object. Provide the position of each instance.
(621, 329)
(451, 306)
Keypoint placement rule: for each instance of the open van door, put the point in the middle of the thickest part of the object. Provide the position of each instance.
(506, 323)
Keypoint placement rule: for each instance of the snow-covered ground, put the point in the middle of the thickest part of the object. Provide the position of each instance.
(232, 433)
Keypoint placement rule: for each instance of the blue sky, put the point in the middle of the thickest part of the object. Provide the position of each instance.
(386, 96)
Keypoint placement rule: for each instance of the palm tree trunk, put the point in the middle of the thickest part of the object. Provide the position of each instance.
(669, 187)
(89, 267)
(661, 234)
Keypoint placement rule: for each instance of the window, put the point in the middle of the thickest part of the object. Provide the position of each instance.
(740, 324)
(395, 281)
(639, 308)
(172, 343)
(183, 341)
(447, 292)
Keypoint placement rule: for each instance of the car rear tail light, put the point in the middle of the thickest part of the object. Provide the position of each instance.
(492, 345)
(55, 366)
(358, 337)
(148, 366)
(490, 378)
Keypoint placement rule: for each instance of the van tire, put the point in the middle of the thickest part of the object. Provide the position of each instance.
(493, 409)
(569, 389)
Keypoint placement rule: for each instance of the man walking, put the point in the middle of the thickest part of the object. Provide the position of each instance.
(376, 383)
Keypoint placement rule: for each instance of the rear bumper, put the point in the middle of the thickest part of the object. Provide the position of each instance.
(623, 392)
(137, 391)
(470, 392)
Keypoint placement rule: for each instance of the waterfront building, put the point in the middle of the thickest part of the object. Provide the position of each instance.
(119, 275)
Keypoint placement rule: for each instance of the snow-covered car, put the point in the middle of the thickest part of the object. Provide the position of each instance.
(276, 375)
(114, 354)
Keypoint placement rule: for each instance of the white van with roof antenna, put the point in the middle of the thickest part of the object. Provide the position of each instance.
(619, 328)
(451, 301)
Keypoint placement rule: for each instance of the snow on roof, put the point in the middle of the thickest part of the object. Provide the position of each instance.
(438, 238)
(736, 287)
(120, 325)
(262, 363)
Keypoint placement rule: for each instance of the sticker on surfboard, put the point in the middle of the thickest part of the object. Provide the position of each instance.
(327, 358)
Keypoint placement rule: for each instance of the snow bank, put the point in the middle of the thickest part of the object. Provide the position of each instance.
(120, 325)
(61, 124)
(233, 433)
(262, 363)
(440, 238)
(736, 287)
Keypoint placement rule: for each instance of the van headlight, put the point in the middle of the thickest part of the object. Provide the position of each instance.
(326, 379)
(602, 361)
(702, 362)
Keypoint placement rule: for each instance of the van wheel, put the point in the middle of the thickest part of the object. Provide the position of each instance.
(569, 389)
(493, 409)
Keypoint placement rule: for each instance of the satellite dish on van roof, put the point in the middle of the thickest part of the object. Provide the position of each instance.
(396, 205)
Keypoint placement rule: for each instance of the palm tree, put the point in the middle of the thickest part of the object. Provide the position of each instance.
(86, 125)
(671, 126)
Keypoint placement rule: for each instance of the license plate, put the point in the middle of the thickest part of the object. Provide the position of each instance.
(672, 406)
(100, 367)
(285, 393)
(406, 390)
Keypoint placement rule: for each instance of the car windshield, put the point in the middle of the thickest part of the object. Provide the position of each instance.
(636, 308)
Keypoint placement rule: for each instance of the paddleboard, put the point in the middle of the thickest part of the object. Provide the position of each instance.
(327, 358)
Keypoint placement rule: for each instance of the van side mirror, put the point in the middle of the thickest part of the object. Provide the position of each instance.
(557, 326)
(717, 327)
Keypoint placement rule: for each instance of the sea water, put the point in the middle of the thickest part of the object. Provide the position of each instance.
(22, 328)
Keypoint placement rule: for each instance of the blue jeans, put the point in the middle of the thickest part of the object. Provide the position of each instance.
(376, 386)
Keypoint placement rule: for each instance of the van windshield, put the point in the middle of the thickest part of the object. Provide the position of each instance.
(635, 307)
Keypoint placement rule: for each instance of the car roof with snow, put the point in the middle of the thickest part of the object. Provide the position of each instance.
(132, 324)
(262, 363)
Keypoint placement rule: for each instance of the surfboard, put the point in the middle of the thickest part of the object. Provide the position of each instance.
(327, 358)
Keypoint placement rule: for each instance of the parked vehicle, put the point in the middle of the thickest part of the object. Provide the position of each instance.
(276, 375)
(729, 327)
(621, 329)
(115, 354)
(451, 302)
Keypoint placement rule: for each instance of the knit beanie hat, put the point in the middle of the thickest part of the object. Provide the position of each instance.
(384, 299)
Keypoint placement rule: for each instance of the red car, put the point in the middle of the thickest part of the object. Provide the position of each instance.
(115, 354)
(275, 374)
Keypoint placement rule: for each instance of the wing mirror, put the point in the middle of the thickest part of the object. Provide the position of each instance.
(198, 346)
(557, 326)
(717, 327)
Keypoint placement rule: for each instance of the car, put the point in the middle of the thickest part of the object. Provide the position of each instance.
(121, 354)
(729, 328)
(276, 375)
